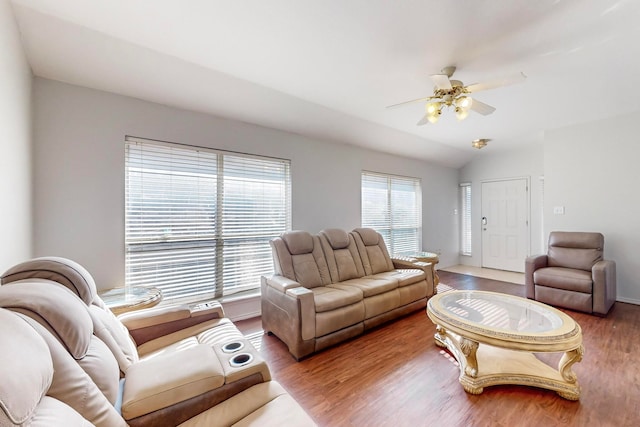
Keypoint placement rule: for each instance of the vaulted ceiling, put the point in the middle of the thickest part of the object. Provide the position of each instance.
(328, 69)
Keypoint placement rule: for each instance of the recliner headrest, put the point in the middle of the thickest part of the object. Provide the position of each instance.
(370, 237)
(56, 308)
(298, 242)
(64, 271)
(576, 240)
(26, 369)
(338, 239)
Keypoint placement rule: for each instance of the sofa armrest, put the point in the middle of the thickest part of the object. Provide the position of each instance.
(531, 264)
(289, 311)
(408, 262)
(281, 283)
(427, 267)
(148, 324)
(146, 390)
(604, 286)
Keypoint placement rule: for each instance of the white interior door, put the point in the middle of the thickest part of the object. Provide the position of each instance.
(505, 224)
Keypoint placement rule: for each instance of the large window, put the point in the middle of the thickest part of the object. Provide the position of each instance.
(198, 221)
(465, 219)
(392, 205)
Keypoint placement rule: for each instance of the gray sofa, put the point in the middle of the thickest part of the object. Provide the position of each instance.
(335, 285)
(573, 273)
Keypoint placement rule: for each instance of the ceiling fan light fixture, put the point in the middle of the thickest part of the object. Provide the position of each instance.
(461, 113)
(479, 143)
(463, 102)
(434, 110)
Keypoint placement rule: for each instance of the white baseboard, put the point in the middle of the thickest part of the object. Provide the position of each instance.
(628, 300)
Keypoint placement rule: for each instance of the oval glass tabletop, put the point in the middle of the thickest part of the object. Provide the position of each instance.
(501, 312)
(502, 316)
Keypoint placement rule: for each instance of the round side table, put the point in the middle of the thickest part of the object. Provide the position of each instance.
(431, 257)
(122, 300)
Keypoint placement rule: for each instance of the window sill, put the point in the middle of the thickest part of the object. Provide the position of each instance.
(240, 306)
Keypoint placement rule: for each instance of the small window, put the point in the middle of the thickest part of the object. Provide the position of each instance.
(198, 221)
(392, 205)
(465, 219)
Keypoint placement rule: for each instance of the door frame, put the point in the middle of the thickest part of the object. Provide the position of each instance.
(527, 211)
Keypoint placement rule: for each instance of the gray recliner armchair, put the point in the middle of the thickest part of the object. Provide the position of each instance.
(573, 273)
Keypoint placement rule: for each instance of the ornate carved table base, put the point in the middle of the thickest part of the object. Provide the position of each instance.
(483, 365)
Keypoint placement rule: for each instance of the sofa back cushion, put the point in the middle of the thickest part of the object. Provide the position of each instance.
(74, 386)
(578, 250)
(42, 385)
(56, 309)
(63, 315)
(25, 368)
(373, 251)
(342, 255)
(58, 271)
(297, 255)
(61, 270)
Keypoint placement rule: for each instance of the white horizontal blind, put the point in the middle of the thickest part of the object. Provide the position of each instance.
(465, 219)
(198, 221)
(392, 205)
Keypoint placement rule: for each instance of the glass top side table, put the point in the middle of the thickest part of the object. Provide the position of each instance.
(430, 257)
(122, 300)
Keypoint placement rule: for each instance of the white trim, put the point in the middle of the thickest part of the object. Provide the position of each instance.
(628, 300)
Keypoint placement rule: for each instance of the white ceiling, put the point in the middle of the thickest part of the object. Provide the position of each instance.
(328, 68)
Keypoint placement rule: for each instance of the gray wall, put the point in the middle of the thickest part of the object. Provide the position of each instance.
(525, 162)
(592, 170)
(79, 173)
(15, 144)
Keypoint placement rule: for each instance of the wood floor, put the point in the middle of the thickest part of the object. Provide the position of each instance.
(396, 376)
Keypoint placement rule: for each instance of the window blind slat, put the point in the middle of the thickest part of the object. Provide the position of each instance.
(465, 219)
(392, 206)
(198, 221)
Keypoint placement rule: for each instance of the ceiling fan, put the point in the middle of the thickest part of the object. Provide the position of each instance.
(452, 93)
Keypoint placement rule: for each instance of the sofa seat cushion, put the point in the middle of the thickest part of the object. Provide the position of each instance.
(154, 384)
(266, 404)
(404, 276)
(327, 298)
(372, 286)
(329, 322)
(564, 278)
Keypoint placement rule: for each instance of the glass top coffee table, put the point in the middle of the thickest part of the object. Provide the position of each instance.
(494, 336)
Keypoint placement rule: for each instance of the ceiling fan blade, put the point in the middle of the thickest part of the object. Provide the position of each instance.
(506, 81)
(423, 121)
(441, 81)
(482, 108)
(409, 102)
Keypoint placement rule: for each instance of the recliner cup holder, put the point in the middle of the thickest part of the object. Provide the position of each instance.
(233, 346)
(240, 360)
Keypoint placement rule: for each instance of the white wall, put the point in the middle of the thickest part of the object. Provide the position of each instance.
(15, 144)
(592, 170)
(79, 173)
(525, 162)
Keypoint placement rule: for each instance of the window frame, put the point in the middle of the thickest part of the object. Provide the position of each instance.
(466, 233)
(388, 227)
(220, 234)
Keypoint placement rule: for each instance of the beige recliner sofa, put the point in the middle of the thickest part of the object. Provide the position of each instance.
(42, 385)
(573, 273)
(189, 376)
(335, 285)
(28, 390)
